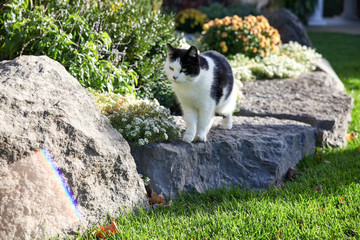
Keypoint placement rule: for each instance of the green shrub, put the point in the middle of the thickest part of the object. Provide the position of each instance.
(252, 36)
(190, 20)
(292, 60)
(89, 38)
(302, 8)
(218, 10)
(139, 121)
(68, 38)
(142, 36)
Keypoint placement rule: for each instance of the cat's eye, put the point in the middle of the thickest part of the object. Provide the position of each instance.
(171, 68)
(183, 70)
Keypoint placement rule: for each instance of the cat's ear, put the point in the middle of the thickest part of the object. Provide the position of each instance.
(192, 52)
(170, 50)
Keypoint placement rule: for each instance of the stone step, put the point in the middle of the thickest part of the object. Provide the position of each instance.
(313, 98)
(256, 153)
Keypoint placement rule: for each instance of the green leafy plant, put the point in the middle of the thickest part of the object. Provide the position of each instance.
(142, 35)
(106, 45)
(139, 121)
(190, 20)
(252, 36)
(68, 38)
(218, 10)
(302, 8)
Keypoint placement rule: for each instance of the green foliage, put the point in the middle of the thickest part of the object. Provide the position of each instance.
(142, 35)
(149, 5)
(67, 37)
(252, 36)
(90, 39)
(302, 8)
(139, 121)
(218, 10)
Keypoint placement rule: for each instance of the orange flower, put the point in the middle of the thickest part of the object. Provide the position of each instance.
(267, 53)
(275, 49)
(224, 49)
(224, 34)
(254, 50)
(206, 27)
(227, 20)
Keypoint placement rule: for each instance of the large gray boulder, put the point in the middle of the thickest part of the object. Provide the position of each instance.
(256, 153)
(289, 27)
(313, 98)
(43, 107)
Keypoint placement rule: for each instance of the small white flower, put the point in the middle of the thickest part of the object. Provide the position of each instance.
(141, 141)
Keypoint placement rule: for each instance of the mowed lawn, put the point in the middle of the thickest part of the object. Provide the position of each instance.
(323, 202)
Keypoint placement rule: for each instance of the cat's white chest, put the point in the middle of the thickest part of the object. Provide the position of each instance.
(194, 94)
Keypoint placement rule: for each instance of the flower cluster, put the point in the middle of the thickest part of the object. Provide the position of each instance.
(252, 36)
(305, 55)
(190, 20)
(139, 121)
(292, 60)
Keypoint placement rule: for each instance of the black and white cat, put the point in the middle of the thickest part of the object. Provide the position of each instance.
(204, 85)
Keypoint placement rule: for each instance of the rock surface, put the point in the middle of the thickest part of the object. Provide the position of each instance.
(335, 82)
(43, 106)
(256, 153)
(289, 27)
(311, 98)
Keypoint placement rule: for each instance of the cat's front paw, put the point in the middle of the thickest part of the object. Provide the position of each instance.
(188, 138)
(227, 123)
(201, 137)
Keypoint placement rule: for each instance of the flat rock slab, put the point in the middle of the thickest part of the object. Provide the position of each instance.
(311, 98)
(256, 153)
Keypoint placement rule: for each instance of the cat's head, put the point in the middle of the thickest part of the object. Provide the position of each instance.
(182, 65)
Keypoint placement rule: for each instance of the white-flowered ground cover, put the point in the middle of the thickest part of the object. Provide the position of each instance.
(293, 60)
(139, 121)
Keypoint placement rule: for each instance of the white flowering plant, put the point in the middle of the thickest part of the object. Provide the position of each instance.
(139, 121)
(292, 60)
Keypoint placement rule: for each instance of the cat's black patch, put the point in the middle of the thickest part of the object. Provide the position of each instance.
(190, 61)
(203, 63)
(223, 76)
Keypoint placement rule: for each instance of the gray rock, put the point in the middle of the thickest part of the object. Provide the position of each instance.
(335, 82)
(256, 153)
(289, 27)
(43, 106)
(311, 98)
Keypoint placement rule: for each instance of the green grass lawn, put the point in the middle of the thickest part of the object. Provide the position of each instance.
(295, 210)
